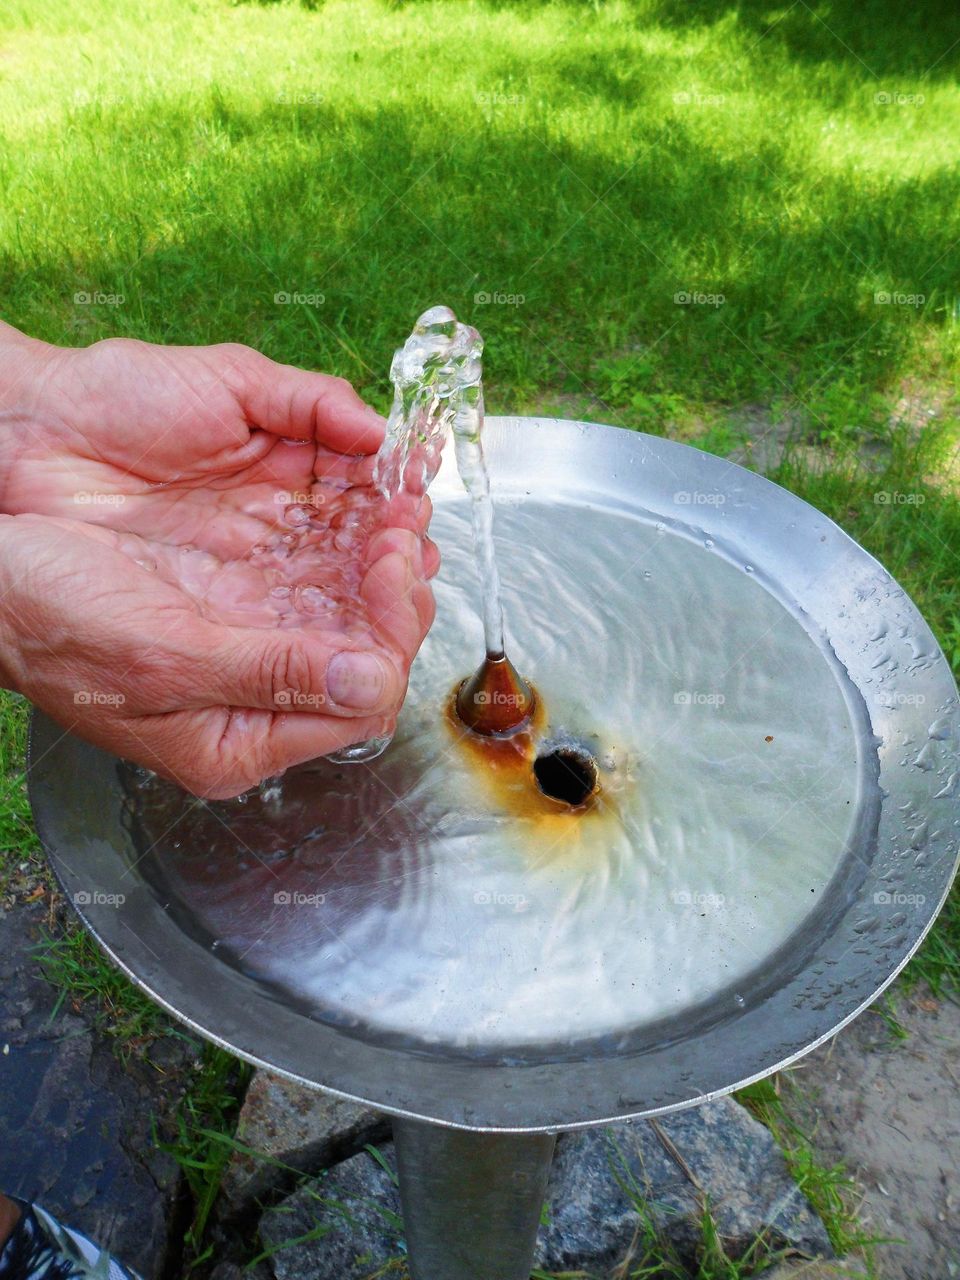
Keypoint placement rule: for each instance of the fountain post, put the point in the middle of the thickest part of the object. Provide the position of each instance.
(471, 1200)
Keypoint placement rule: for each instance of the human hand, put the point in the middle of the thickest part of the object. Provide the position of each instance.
(136, 480)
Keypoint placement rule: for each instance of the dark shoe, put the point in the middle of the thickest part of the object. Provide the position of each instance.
(41, 1248)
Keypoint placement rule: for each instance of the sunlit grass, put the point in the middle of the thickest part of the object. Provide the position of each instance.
(594, 160)
(168, 169)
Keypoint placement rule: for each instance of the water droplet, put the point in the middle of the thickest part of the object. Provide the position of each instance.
(941, 729)
(271, 792)
(296, 515)
(927, 757)
(918, 837)
(949, 789)
(313, 599)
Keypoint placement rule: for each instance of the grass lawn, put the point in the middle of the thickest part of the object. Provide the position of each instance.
(704, 219)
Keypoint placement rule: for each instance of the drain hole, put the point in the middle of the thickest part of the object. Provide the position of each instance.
(566, 775)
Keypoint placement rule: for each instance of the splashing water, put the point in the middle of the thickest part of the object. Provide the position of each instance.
(294, 558)
(437, 378)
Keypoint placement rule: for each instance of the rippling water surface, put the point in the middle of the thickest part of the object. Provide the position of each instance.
(427, 899)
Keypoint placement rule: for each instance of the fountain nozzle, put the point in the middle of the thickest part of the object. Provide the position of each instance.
(495, 700)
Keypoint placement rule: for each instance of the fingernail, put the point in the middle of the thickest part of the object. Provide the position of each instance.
(356, 679)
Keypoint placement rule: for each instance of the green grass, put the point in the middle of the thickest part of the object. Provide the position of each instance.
(75, 965)
(597, 160)
(185, 161)
(204, 1123)
(19, 846)
(830, 1188)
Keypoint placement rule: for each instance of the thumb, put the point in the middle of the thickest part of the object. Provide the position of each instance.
(298, 404)
(302, 671)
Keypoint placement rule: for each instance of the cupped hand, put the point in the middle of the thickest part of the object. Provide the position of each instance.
(151, 496)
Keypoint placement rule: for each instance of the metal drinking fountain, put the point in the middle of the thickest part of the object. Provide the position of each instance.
(768, 733)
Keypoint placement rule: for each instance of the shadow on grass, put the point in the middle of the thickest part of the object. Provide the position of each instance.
(879, 37)
(882, 37)
(590, 250)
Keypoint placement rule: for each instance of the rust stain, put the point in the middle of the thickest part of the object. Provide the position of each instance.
(504, 767)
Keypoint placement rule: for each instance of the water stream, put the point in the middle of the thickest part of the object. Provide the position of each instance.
(437, 380)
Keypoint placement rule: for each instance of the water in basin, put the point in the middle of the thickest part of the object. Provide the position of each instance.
(425, 900)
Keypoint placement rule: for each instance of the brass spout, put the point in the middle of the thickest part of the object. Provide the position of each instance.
(495, 700)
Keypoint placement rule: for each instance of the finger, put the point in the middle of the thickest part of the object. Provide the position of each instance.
(431, 558)
(301, 405)
(222, 752)
(424, 514)
(300, 671)
(388, 591)
(291, 740)
(403, 541)
(426, 607)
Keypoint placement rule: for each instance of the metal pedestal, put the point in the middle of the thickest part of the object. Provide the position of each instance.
(471, 1201)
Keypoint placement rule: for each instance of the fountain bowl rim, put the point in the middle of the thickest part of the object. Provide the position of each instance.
(857, 961)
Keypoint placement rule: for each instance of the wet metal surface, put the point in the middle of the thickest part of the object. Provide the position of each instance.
(773, 827)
